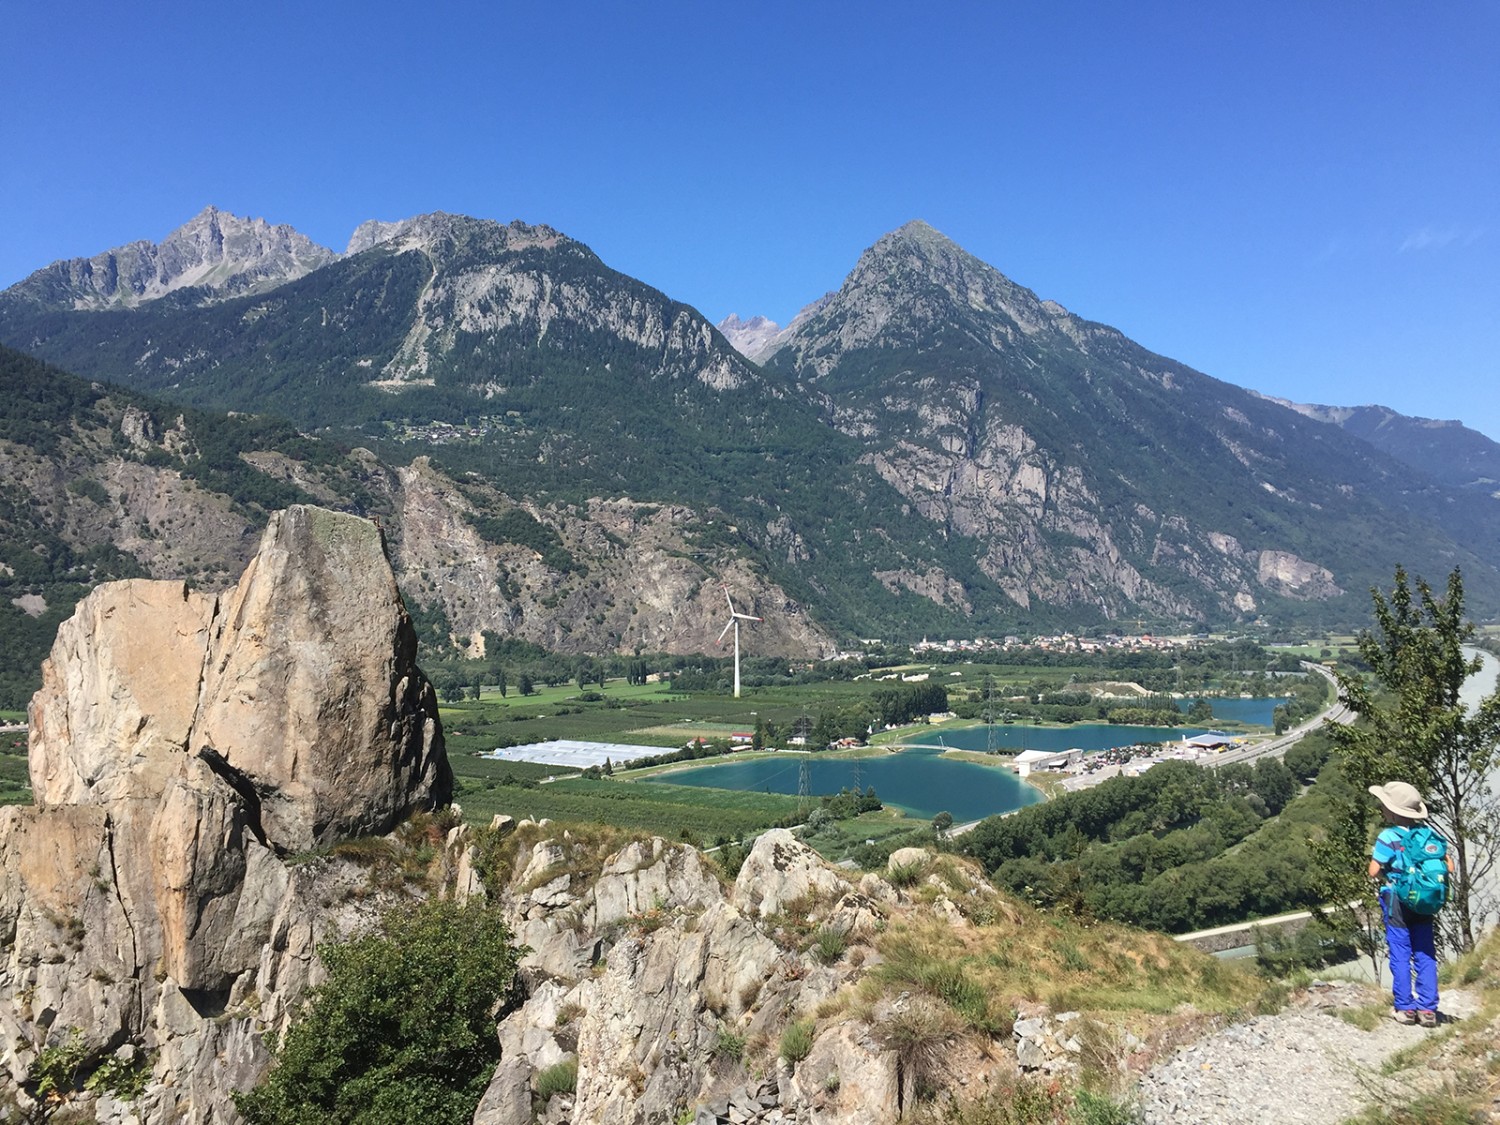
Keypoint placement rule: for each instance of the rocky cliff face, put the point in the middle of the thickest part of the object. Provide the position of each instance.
(221, 254)
(183, 747)
(523, 284)
(644, 585)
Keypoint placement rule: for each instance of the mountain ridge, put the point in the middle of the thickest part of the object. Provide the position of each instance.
(219, 254)
(928, 447)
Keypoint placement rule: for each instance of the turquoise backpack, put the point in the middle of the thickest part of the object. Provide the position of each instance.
(1419, 873)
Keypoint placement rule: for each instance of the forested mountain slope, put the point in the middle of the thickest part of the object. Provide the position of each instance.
(98, 482)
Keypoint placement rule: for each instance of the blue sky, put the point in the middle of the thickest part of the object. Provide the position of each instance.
(1299, 198)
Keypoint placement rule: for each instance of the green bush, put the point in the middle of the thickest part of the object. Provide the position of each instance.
(904, 874)
(728, 1045)
(401, 1032)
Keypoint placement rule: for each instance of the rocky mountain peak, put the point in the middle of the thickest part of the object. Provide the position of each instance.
(439, 228)
(220, 254)
(749, 337)
(912, 281)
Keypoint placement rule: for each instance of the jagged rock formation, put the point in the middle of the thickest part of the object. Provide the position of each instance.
(640, 972)
(183, 746)
(220, 254)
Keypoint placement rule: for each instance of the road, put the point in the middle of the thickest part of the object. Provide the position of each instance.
(1279, 745)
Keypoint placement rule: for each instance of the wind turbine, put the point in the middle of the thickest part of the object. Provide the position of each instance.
(735, 617)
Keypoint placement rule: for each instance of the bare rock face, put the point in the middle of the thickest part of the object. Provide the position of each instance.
(181, 746)
(311, 691)
(650, 972)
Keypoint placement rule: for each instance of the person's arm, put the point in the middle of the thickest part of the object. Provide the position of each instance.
(1377, 872)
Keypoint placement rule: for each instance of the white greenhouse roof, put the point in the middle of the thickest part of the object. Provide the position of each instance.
(570, 753)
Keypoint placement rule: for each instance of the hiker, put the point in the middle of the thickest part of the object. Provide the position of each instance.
(1408, 923)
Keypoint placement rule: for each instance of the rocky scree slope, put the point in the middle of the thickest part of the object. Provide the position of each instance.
(184, 747)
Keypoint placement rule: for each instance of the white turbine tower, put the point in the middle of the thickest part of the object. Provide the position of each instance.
(735, 617)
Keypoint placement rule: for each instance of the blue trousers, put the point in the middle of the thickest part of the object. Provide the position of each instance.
(1409, 938)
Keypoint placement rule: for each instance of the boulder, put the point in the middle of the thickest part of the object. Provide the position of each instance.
(782, 870)
(311, 691)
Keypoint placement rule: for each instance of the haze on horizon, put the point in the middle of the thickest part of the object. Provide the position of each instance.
(1302, 202)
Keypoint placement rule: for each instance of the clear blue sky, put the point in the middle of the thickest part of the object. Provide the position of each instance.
(1302, 198)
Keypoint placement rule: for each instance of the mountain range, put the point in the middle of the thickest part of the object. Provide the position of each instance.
(564, 454)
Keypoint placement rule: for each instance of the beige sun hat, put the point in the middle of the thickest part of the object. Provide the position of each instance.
(1401, 799)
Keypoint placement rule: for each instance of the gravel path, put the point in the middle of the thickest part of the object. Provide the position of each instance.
(1304, 1065)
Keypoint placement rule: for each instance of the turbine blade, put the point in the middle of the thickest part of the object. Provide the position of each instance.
(728, 599)
(726, 629)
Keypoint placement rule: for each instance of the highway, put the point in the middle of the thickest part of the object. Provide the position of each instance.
(1279, 745)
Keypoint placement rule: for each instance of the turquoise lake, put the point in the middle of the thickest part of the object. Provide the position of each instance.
(924, 783)
(921, 782)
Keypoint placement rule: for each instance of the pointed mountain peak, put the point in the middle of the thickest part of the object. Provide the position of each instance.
(913, 282)
(919, 233)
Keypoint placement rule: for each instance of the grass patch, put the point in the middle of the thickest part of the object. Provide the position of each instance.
(797, 1041)
(560, 1078)
(829, 944)
(1058, 961)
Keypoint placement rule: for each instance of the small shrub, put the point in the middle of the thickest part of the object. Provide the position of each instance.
(55, 1074)
(120, 1079)
(728, 1045)
(561, 1078)
(797, 1041)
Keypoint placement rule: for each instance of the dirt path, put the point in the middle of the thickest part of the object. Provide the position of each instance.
(1305, 1064)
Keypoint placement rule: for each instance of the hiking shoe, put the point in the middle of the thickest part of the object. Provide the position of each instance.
(1427, 1019)
(1403, 1015)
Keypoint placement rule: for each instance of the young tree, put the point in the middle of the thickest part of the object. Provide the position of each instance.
(1413, 726)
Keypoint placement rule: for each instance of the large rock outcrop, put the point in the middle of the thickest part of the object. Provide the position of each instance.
(183, 746)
